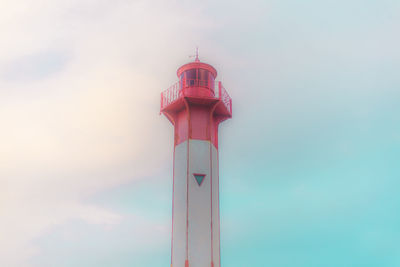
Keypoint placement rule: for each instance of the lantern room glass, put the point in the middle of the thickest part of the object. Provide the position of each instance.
(197, 77)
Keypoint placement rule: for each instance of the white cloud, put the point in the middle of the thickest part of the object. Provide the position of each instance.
(89, 126)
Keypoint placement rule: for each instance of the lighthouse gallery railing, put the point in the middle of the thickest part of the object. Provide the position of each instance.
(175, 91)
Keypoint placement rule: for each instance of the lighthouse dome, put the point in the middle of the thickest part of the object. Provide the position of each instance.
(197, 74)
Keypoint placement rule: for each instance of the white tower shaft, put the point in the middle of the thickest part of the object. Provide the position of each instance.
(195, 221)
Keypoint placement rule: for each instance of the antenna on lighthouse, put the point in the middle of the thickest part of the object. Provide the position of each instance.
(196, 56)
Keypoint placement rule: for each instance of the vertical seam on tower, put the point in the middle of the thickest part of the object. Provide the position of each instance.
(211, 196)
(187, 201)
(187, 183)
(173, 189)
(211, 178)
(219, 217)
(173, 203)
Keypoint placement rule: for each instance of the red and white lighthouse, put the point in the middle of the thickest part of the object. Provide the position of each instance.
(196, 105)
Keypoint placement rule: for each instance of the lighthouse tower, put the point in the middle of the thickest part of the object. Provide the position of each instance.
(196, 105)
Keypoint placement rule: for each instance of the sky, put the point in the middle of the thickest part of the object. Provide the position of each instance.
(309, 163)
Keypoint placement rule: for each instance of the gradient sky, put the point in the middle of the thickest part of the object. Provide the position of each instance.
(309, 164)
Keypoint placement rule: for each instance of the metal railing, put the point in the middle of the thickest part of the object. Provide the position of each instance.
(174, 92)
(170, 95)
(224, 97)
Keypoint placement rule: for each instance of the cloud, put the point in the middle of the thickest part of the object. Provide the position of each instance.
(79, 103)
(79, 98)
(37, 66)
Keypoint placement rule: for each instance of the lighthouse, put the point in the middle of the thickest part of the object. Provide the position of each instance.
(195, 105)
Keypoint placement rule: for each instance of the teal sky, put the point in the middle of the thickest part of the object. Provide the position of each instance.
(309, 163)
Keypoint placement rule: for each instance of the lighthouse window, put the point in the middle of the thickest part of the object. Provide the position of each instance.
(211, 81)
(191, 77)
(197, 77)
(203, 77)
(181, 82)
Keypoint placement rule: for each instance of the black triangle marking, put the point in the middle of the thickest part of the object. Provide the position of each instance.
(199, 178)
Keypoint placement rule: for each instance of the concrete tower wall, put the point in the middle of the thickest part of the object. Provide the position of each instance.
(215, 208)
(195, 207)
(179, 206)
